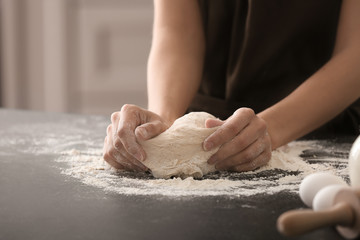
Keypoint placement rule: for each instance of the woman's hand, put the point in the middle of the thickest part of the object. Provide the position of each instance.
(243, 139)
(121, 148)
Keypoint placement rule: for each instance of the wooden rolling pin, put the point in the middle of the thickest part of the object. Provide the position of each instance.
(297, 222)
(333, 206)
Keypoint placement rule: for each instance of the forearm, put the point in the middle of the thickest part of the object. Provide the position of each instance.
(174, 75)
(176, 59)
(324, 95)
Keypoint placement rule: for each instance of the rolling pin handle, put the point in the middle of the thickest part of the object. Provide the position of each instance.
(296, 222)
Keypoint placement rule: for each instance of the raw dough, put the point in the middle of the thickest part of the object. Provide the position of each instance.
(178, 151)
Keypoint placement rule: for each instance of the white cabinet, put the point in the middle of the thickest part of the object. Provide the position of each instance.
(84, 56)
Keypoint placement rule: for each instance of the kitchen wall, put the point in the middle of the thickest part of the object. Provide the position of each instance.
(81, 56)
(0, 53)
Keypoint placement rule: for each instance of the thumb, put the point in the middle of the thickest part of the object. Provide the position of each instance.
(150, 130)
(210, 123)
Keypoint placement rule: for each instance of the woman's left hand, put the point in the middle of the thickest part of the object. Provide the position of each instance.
(243, 139)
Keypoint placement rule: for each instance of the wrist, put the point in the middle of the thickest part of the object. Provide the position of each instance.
(166, 115)
(270, 131)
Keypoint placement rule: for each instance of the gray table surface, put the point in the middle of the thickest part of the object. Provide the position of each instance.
(38, 202)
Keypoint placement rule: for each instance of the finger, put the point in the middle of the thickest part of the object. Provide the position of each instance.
(115, 117)
(121, 156)
(123, 123)
(125, 134)
(131, 167)
(114, 149)
(244, 139)
(111, 161)
(107, 156)
(126, 159)
(210, 123)
(232, 126)
(247, 155)
(150, 130)
(121, 159)
(105, 145)
(261, 160)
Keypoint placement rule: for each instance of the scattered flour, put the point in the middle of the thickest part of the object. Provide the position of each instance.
(283, 173)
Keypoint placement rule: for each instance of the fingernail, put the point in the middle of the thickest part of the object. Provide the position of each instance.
(208, 146)
(212, 160)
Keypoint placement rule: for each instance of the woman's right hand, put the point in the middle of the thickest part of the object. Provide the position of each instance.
(132, 123)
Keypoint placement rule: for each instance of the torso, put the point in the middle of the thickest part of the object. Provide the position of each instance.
(258, 51)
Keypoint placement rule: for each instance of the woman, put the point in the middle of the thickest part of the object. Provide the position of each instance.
(275, 70)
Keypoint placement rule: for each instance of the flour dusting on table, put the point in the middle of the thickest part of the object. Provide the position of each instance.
(283, 173)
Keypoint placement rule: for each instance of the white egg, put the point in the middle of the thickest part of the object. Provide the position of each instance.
(332, 195)
(313, 183)
(325, 198)
(354, 164)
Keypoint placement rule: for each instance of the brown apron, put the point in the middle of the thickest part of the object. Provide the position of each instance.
(259, 51)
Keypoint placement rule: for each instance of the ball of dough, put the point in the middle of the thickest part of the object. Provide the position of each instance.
(179, 150)
(313, 183)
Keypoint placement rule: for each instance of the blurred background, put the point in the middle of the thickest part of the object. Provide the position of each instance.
(78, 56)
